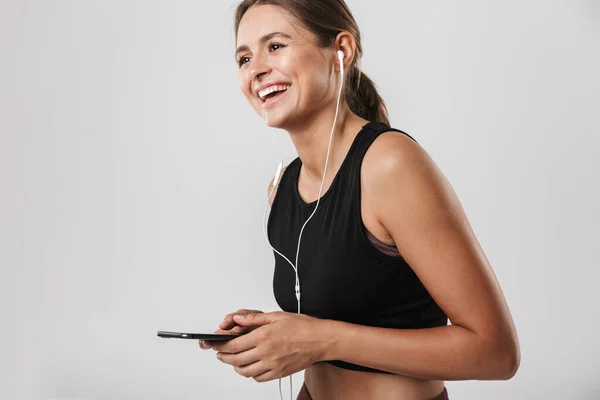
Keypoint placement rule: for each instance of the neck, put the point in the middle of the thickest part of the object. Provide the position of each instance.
(311, 140)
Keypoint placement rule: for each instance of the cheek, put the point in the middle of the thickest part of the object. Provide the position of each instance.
(287, 65)
(245, 88)
(314, 76)
(244, 84)
(322, 80)
(315, 84)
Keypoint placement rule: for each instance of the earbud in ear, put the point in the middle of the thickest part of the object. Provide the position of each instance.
(341, 58)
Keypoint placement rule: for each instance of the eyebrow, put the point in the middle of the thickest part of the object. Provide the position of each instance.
(262, 41)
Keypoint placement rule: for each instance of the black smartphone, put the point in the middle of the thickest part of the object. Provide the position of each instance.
(199, 336)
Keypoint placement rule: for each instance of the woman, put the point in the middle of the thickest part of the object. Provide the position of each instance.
(390, 254)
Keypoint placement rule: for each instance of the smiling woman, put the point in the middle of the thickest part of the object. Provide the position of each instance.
(389, 257)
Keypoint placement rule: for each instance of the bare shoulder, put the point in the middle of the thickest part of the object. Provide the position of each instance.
(401, 178)
(390, 151)
(271, 188)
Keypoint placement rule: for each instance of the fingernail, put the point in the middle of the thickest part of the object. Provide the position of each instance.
(238, 317)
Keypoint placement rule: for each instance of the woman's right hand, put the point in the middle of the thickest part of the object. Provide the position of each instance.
(228, 326)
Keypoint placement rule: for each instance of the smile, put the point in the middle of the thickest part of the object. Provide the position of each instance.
(272, 94)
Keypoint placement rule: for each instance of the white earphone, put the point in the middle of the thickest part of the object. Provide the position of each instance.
(340, 55)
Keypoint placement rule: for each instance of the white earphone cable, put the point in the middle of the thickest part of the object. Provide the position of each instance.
(276, 184)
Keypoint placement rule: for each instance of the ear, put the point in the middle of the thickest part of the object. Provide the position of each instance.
(346, 43)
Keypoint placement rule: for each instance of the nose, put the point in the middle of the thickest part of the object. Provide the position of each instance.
(260, 67)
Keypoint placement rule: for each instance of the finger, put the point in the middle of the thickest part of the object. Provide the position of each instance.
(240, 329)
(252, 370)
(227, 322)
(236, 345)
(236, 330)
(228, 328)
(241, 359)
(246, 312)
(267, 376)
(257, 319)
(204, 345)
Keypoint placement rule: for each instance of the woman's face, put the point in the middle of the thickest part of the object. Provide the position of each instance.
(284, 75)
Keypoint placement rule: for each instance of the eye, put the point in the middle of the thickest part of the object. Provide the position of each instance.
(243, 60)
(272, 47)
(275, 46)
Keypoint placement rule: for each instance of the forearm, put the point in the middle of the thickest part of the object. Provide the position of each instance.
(442, 353)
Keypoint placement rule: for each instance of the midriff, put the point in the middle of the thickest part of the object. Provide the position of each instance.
(326, 381)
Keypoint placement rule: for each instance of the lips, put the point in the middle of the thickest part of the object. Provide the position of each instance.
(266, 88)
(271, 90)
(269, 93)
(272, 99)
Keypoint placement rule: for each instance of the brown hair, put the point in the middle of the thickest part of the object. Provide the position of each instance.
(326, 19)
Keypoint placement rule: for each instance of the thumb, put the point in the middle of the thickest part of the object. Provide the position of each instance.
(256, 319)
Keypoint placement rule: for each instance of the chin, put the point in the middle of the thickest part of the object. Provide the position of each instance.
(275, 120)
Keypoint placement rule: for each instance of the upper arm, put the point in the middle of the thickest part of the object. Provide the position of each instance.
(418, 207)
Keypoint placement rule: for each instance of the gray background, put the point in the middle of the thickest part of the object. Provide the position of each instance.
(133, 179)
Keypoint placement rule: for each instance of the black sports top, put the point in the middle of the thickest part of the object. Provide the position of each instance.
(343, 275)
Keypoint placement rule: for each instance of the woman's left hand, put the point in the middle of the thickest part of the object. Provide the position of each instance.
(283, 344)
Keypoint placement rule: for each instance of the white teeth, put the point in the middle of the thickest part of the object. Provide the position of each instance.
(275, 88)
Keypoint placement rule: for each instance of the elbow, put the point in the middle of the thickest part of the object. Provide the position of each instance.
(513, 364)
(506, 362)
(499, 359)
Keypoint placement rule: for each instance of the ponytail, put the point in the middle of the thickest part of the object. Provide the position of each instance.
(362, 97)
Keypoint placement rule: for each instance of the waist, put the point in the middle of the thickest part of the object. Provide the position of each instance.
(326, 381)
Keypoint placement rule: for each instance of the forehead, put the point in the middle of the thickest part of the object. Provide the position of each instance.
(263, 19)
